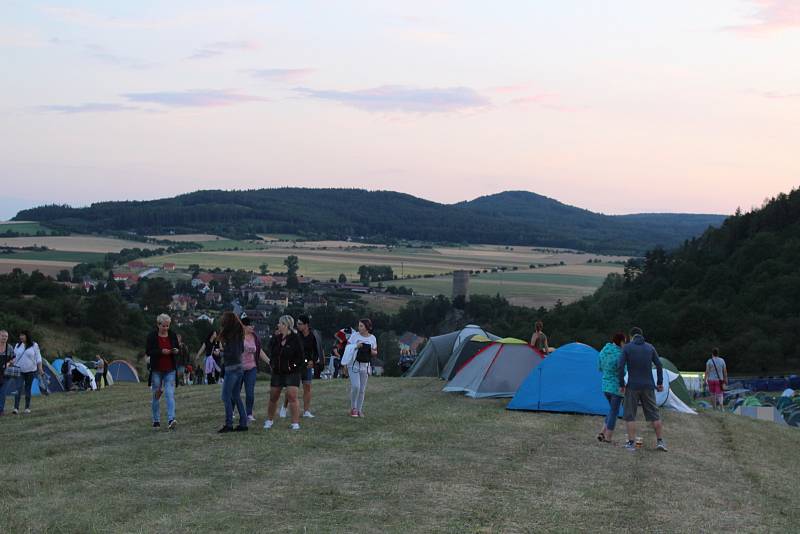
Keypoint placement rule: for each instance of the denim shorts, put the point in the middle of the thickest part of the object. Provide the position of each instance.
(307, 375)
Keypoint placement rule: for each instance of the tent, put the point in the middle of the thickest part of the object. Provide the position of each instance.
(122, 371)
(496, 371)
(437, 352)
(765, 413)
(468, 348)
(677, 385)
(54, 384)
(568, 380)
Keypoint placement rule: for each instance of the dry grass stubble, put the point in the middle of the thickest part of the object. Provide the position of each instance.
(420, 461)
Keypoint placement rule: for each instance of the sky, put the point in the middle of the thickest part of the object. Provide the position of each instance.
(617, 106)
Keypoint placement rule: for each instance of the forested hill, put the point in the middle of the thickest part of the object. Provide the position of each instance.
(510, 218)
(736, 287)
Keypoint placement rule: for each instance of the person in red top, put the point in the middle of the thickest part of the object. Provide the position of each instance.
(162, 348)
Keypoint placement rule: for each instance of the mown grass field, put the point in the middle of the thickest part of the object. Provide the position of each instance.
(421, 461)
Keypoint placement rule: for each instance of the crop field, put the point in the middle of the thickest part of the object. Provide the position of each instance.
(50, 268)
(23, 227)
(540, 287)
(75, 243)
(56, 255)
(186, 238)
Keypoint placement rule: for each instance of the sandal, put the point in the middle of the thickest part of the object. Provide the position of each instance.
(601, 437)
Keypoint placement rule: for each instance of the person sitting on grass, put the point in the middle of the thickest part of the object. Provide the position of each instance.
(232, 338)
(638, 357)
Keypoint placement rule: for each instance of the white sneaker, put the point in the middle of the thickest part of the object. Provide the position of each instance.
(308, 414)
(294, 426)
(282, 412)
(267, 424)
(27, 410)
(251, 419)
(15, 411)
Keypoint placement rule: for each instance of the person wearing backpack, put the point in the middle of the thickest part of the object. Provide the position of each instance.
(716, 377)
(362, 347)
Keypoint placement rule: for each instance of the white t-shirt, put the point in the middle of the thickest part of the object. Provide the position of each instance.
(349, 356)
(27, 359)
(712, 372)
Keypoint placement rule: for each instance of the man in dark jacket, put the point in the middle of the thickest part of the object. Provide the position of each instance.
(638, 357)
(162, 347)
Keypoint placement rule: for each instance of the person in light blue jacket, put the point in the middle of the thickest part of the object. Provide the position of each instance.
(609, 366)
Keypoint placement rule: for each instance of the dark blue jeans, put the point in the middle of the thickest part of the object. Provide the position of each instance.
(232, 394)
(25, 381)
(250, 389)
(614, 402)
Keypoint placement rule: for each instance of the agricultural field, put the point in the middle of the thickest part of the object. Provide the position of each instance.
(50, 268)
(186, 238)
(55, 255)
(542, 286)
(23, 227)
(420, 461)
(75, 243)
(533, 288)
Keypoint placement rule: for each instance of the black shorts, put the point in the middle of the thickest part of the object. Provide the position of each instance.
(285, 381)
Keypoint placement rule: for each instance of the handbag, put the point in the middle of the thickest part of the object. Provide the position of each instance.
(12, 371)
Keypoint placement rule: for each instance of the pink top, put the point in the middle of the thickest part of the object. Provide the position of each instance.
(249, 354)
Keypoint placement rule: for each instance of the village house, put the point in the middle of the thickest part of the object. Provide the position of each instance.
(314, 301)
(136, 264)
(182, 303)
(169, 266)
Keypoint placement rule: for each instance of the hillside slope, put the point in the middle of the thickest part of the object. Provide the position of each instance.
(736, 287)
(512, 218)
(453, 465)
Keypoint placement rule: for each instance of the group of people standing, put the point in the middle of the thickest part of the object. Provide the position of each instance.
(294, 354)
(637, 357)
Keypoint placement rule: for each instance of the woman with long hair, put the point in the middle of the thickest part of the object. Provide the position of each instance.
(363, 348)
(286, 358)
(252, 352)
(231, 336)
(609, 366)
(28, 359)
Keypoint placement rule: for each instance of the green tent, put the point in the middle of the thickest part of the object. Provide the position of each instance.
(433, 358)
(677, 386)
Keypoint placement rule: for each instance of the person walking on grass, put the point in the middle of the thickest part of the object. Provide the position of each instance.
(362, 347)
(252, 352)
(638, 357)
(313, 358)
(182, 359)
(716, 376)
(286, 358)
(231, 336)
(208, 353)
(162, 348)
(539, 339)
(6, 357)
(28, 359)
(608, 364)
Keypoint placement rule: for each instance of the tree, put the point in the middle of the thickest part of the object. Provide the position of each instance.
(292, 264)
(63, 276)
(106, 314)
(263, 268)
(240, 278)
(342, 279)
(156, 294)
